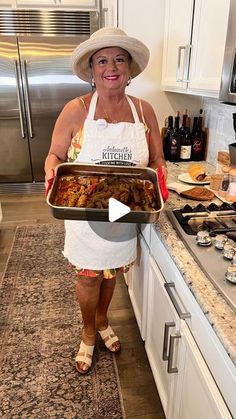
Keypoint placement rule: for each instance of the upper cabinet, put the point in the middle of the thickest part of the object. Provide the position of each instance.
(194, 41)
(76, 4)
(106, 8)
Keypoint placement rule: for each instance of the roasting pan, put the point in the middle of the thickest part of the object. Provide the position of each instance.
(95, 214)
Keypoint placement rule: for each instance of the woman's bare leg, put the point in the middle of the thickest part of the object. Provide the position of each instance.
(88, 292)
(106, 293)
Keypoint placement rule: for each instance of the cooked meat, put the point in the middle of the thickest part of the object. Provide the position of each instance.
(95, 191)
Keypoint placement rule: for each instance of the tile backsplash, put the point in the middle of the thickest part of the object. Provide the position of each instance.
(219, 121)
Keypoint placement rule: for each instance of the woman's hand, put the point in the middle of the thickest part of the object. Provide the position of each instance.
(162, 177)
(49, 177)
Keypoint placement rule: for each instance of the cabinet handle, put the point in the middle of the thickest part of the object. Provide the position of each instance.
(186, 63)
(168, 325)
(182, 315)
(186, 49)
(178, 64)
(170, 368)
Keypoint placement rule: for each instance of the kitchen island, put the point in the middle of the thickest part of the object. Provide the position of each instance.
(188, 327)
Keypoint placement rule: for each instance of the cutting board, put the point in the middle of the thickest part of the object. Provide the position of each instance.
(197, 193)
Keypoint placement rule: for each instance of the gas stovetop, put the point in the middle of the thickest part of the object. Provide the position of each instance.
(217, 219)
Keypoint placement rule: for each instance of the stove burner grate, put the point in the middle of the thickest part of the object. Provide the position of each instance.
(185, 214)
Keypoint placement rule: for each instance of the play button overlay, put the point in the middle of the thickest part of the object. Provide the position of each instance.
(117, 209)
(115, 232)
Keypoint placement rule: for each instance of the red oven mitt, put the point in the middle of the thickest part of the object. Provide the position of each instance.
(162, 183)
(48, 183)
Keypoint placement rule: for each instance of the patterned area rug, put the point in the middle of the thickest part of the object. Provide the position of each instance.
(40, 326)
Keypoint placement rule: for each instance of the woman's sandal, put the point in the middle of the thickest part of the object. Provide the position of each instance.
(85, 354)
(108, 336)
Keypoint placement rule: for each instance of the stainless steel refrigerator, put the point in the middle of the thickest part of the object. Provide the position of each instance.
(35, 83)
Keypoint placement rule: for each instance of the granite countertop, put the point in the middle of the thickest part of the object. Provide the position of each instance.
(219, 313)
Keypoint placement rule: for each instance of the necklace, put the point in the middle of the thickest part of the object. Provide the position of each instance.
(107, 117)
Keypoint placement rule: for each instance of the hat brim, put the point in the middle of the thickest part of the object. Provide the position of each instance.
(80, 59)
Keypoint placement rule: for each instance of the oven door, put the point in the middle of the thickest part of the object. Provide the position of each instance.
(228, 79)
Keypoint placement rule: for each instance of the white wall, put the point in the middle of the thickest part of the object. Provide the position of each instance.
(145, 20)
(219, 120)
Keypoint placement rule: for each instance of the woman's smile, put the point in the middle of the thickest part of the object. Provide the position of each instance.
(112, 78)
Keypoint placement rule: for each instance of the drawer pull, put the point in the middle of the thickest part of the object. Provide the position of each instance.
(182, 315)
(168, 325)
(170, 368)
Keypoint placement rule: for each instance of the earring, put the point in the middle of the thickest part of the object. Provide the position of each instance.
(93, 83)
(129, 81)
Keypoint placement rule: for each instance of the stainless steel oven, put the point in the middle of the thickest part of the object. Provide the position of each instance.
(228, 79)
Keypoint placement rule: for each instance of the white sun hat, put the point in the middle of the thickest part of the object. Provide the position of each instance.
(104, 38)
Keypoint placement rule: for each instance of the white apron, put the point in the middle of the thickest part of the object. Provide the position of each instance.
(123, 143)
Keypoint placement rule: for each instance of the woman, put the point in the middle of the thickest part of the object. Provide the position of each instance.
(105, 127)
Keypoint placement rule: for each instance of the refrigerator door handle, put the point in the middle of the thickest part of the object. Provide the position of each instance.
(26, 91)
(18, 89)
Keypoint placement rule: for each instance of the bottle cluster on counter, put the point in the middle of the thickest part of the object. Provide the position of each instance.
(184, 141)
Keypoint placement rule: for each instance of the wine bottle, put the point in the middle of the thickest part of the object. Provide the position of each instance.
(198, 138)
(174, 141)
(184, 119)
(186, 142)
(166, 139)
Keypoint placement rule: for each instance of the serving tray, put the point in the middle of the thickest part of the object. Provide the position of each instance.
(94, 214)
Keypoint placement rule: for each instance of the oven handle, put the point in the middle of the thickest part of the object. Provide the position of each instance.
(183, 315)
(208, 214)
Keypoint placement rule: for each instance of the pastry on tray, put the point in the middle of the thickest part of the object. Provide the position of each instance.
(197, 172)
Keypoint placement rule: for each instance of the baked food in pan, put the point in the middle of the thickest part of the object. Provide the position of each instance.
(94, 192)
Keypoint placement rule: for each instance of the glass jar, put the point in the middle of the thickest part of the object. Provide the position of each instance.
(231, 192)
(225, 181)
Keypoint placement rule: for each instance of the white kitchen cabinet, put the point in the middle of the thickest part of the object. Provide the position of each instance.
(194, 41)
(177, 39)
(107, 8)
(197, 395)
(162, 320)
(217, 361)
(76, 4)
(7, 4)
(184, 382)
(138, 285)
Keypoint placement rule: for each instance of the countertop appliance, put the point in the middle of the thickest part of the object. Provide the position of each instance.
(216, 219)
(228, 79)
(35, 83)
